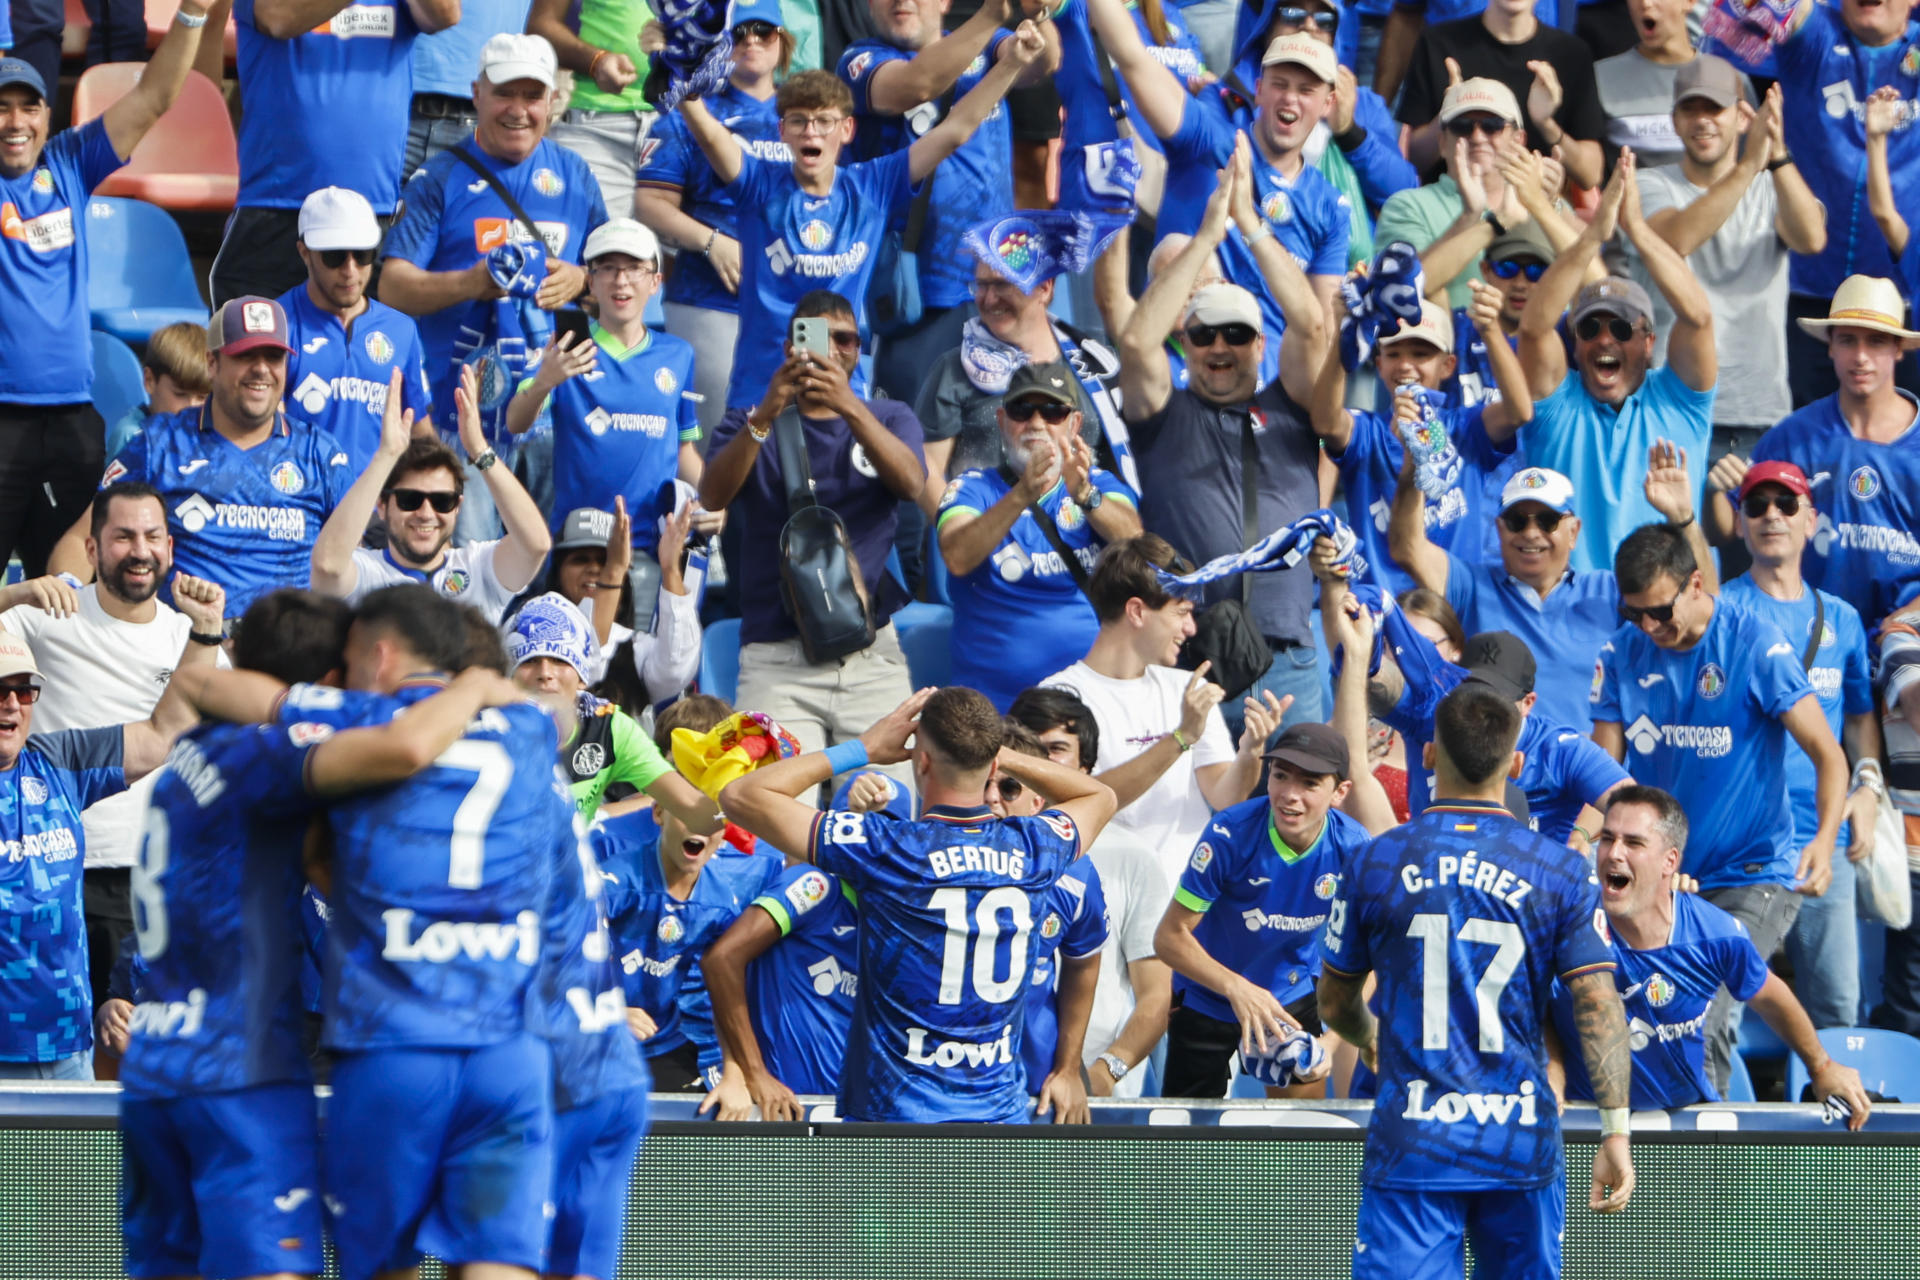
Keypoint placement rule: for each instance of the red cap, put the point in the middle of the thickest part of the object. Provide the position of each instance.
(1784, 474)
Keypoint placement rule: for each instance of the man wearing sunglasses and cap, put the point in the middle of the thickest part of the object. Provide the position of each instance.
(1776, 521)
(346, 344)
(1019, 610)
(1702, 698)
(1595, 422)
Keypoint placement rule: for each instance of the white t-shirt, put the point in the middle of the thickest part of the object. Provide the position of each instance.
(667, 658)
(466, 575)
(1133, 715)
(1137, 892)
(100, 671)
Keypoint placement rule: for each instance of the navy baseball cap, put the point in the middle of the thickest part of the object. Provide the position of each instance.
(245, 323)
(19, 71)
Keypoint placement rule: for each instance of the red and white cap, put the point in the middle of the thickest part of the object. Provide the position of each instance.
(1784, 474)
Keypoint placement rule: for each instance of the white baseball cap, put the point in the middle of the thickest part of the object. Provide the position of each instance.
(336, 218)
(1537, 484)
(1436, 326)
(512, 56)
(623, 235)
(1224, 304)
(1303, 51)
(1480, 94)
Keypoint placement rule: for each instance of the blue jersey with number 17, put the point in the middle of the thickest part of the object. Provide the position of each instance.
(438, 882)
(1465, 917)
(948, 908)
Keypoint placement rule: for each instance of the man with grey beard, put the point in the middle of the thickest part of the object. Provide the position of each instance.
(106, 651)
(1020, 540)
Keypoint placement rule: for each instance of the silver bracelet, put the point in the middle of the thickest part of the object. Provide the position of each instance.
(191, 21)
(713, 233)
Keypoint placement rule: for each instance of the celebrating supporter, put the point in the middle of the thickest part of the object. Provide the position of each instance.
(1245, 947)
(246, 488)
(419, 485)
(107, 651)
(1699, 697)
(1135, 987)
(608, 116)
(1020, 540)
(1676, 953)
(691, 210)
(1511, 266)
(1636, 88)
(1776, 522)
(173, 376)
(328, 85)
(53, 457)
(346, 345)
(589, 571)
(442, 65)
(862, 460)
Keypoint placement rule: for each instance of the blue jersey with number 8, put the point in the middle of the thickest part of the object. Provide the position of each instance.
(949, 906)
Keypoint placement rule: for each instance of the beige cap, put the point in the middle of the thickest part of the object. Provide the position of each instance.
(1866, 302)
(1224, 304)
(1480, 94)
(16, 659)
(1436, 327)
(1303, 51)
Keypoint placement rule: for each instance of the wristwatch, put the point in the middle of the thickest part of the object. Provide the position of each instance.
(485, 461)
(1092, 501)
(1499, 227)
(1115, 1066)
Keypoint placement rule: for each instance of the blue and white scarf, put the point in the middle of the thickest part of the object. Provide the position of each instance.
(1281, 549)
(1378, 302)
(698, 56)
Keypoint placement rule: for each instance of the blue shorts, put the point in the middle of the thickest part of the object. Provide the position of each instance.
(1416, 1235)
(593, 1151)
(442, 1151)
(245, 1163)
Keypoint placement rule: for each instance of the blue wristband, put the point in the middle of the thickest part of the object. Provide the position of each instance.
(846, 757)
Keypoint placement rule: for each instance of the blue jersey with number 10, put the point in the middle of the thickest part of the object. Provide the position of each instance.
(438, 882)
(948, 908)
(1466, 917)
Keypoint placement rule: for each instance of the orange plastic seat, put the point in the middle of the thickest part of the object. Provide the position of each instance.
(73, 36)
(189, 162)
(160, 18)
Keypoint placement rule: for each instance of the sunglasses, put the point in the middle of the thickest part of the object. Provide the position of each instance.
(1236, 334)
(1520, 521)
(27, 693)
(1756, 504)
(1464, 127)
(334, 259)
(1295, 17)
(1589, 328)
(1010, 789)
(410, 500)
(755, 30)
(1661, 613)
(1050, 410)
(1508, 270)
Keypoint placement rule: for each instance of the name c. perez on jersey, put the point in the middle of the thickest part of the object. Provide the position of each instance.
(1470, 872)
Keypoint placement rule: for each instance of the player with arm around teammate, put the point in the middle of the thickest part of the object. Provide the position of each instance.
(1465, 918)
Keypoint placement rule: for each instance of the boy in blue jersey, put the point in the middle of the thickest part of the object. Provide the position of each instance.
(1372, 456)
(1701, 698)
(1676, 951)
(1020, 610)
(948, 904)
(1465, 918)
(1776, 522)
(813, 224)
(215, 1042)
(1243, 930)
(624, 422)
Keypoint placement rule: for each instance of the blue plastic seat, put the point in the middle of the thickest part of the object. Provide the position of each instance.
(925, 630)
(117, 386)
(1739, 1083)
(1873, 962)
(720, 659)
(1888, 1061)
(139, 275)
(1757, 1039)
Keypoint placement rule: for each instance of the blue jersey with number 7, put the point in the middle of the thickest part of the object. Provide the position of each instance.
(949, 906)
(439, 881)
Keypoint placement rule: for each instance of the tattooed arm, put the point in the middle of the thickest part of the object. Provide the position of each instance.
(1343, 1007)
(1602, 1027)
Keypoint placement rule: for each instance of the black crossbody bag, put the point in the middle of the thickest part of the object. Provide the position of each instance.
(1226, 634)
(820, 580)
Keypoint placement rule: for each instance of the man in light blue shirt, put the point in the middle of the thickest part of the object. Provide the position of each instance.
(442, 112)
(1595, 423)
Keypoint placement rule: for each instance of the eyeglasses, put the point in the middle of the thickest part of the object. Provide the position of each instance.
(1051, 410)
(1589, 328)
(638, 271)
(1236, 334)
(991, 283)
(1509, 269)
(1518, 521)
(334, 259)
(1295, 17)
(755, 30)
(410, 499)
(1464, 126)
(1010, 789)
(1756, 504)
(803, 124)
(27, 693)
(1661, 613)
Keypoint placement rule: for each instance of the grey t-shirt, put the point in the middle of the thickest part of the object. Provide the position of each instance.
(1637, 96)
(1743, 268)
(1189, 457)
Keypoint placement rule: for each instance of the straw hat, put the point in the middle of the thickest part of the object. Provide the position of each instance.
(1866, 302)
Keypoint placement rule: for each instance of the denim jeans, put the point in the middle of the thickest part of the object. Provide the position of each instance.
(1768, 911)
(428, 136)
(1825, 949)
(77, 1067)
(1296, 671)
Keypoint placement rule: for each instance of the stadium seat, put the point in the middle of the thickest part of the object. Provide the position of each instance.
(1888, 1062)
(1739, 1083)
(139, 275)
(720, 659)
(73, 36)
(925, 630)
(117, 386)
(1245, 1086)
(190, 161)
(935, 578)
(1873, 961)
(1757, 1039)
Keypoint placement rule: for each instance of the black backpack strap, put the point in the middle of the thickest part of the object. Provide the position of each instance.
(467, 158)
(1819, 628)
(1249, 497)
(790, 442)
(1052, 532)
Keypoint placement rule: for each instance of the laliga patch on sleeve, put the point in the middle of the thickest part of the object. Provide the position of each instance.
(307, 734)
(809, 891)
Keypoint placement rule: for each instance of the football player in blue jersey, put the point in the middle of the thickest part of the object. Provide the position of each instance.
(221, 1167)
(1676, 952)
(1243, 930)
(1465, 918)
(948, 904)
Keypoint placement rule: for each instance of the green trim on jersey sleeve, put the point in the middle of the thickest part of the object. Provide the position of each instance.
(941, 519)
(1190, 902)
(773, 908)
(636, 760)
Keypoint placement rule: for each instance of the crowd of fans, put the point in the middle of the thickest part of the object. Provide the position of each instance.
(1645, 463)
